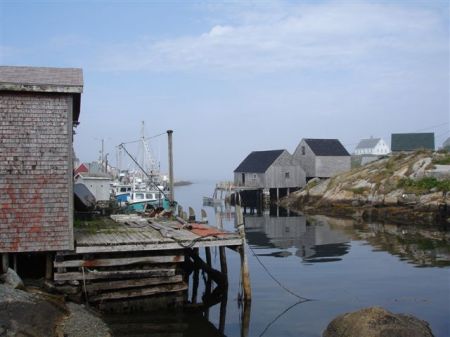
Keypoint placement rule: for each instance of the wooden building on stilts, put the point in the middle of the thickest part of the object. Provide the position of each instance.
(125, 262)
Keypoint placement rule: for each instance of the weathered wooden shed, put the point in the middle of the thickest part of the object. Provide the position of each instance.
(322, 158)
(38, 109)
(269, 169)
(412, 141)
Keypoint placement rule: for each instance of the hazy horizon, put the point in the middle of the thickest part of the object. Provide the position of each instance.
(234, 77)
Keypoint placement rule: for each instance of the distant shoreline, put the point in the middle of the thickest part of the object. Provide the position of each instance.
(182, 183)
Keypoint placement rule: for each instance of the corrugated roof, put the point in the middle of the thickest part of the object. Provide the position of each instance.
(368, 143)
(41, 79)
(326, 147)
(412, 141)
(258, 161)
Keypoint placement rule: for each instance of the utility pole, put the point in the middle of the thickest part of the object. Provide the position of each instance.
(172, 193)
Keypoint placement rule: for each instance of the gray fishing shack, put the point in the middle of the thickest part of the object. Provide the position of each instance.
(322, 158)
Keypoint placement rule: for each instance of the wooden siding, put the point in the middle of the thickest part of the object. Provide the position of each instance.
(275, 176)
(35, 172)
(320, 166)
(307, 160)
(329, 166)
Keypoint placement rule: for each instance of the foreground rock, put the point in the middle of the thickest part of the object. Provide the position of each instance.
(26, 314)
(37, 314)
(377, 322)
(401, 189)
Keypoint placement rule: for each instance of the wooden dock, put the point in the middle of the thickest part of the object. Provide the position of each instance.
(131, 258)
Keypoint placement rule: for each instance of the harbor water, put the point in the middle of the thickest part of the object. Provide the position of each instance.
(305, 271)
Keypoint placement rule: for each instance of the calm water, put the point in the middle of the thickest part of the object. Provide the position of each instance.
(340, 265)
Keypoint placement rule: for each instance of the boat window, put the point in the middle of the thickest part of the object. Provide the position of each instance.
(129, 189)
(139, 195)
(158, 195)
(150, 196)
(123, 189)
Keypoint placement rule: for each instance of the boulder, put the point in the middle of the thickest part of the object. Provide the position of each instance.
(377, 322)
(11, 279)
(26, 314)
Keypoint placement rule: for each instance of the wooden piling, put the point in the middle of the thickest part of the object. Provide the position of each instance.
(223, 261)
(170, 145)
(15, 267)
(208, 256)
(204, 216)
(245, 319)
(191, 215)
(5, 263)
(49, 267)
(245, 274)
(223, 312)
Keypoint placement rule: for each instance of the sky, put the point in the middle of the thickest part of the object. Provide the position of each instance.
(231, 77)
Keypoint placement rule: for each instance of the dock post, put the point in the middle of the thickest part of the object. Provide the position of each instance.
(245, 319)
(223, 261)
(191, 214)
(245, 274)
(15, 267)
(204, 216)
(223, 311)
(208, 256)
(172, 193)
(195, 279)
(5, 263)
(48, 267)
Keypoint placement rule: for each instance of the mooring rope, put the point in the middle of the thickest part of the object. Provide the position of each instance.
(304, 299)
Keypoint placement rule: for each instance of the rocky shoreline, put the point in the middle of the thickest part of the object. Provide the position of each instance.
(33, 312)
(404, 188)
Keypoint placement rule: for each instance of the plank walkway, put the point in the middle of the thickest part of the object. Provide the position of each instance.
(136, 233)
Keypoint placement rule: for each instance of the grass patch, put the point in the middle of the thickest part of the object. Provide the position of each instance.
(359, 190)
(442, 161)
(423, 185)
(104, 225)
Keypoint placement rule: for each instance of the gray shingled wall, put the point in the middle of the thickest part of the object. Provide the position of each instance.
(35, 172)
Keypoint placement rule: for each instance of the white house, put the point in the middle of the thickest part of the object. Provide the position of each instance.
(373, 146)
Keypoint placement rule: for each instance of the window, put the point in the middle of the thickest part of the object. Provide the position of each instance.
(286, 175)
(139, 196)
(303, 150)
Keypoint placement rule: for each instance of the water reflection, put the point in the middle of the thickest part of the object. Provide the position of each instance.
(325, 239)
(314, 242)
(422, 246)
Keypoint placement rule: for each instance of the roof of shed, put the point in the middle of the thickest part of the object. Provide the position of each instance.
(41, 79)
(326, 147)
(412, 141)
(258, 161)
(44, 79)
(368, 143)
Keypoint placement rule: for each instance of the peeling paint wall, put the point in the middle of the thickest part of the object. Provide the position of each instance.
(35, 172)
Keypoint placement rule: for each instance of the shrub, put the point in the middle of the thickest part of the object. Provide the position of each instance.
(424, 184)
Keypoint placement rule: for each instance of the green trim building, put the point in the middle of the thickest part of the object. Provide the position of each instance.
(412, 141)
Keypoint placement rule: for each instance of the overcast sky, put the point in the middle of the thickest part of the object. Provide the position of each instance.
(238, 76)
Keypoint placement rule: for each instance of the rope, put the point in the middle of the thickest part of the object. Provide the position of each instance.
(279, 316)
(304, 299)
(146, 138)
